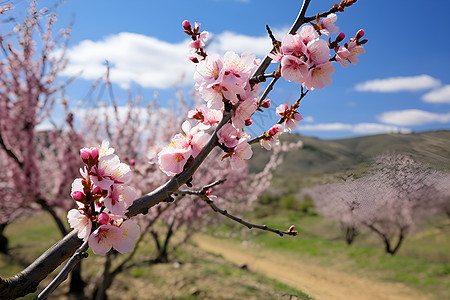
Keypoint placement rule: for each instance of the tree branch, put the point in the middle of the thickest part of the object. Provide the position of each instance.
(27, 281)
(202, 194)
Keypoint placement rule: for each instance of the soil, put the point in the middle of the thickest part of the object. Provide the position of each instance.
(316, 281)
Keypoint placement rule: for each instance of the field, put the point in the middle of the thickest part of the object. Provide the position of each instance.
(420, 269)
(232, 262)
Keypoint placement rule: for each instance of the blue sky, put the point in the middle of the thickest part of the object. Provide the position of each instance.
(401, 84)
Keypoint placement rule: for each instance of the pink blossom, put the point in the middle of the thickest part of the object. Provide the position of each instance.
(104, 149)
(171, 159)
(328, 26)
(228, 135)
(290, 115)
(293, 45)
(319, 76)
(207, 117)
(119, 199)
(319, 52)
(292, 123)
(80, 222)
(208, 75)
(244, 111)
(271, 137)
(293, 68)
(275, 56)
(195, 138)
(200, 42)
(107, 236)
(110, 170)
(281, 110)
(242, 152)
(349, 53)
(308, 34)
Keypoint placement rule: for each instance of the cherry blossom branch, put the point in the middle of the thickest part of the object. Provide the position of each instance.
(297, 23)
(334, 9)
(303, 93)
(204, 195)
(27, 281)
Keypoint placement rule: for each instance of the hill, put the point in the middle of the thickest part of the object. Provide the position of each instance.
(325, 160)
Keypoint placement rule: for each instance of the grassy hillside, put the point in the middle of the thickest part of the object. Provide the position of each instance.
(324, 160)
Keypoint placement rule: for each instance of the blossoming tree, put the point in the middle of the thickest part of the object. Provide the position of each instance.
(28, 91)
(230, 86)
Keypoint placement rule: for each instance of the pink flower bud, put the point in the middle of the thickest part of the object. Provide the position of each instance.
(275, 129)
(340, 37)
(248, 122)
(89, 155)
(132, 162)
(266, 103)
(78, 196)
(360, 34)
(192, 58)
(103, 218)
(186, 25)
(84, 153)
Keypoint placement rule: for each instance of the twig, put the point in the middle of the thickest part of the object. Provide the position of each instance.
(202, 194)
(76, 258)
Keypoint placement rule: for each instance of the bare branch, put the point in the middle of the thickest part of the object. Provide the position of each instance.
(202, 194)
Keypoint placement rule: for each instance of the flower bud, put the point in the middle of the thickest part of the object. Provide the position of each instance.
(78, 196)
(186, 25)
(103, 218)
(89, 155)
(266, 103)
(360, 34)
(248, 122)
(340, 37)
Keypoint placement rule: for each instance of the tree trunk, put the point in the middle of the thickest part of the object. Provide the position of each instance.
(163, 250)
(62, 228)
(350, 234)
(106, 279)
(3, 239)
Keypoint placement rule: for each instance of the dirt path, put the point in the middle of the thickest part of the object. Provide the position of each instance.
(318, 282)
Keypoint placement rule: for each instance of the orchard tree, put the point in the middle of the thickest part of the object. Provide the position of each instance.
(229, 85)
(38, 165)
(392, 202)
(339, 201)
(398, 198)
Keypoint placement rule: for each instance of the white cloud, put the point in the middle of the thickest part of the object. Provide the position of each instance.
(396, 84)
(308, 119)
(360, 128)
(230, 41)
(144, 60)
(440, 95)
(148, 61)
(411, 117)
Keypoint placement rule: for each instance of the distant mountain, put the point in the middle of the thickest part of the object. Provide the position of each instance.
(321, 158)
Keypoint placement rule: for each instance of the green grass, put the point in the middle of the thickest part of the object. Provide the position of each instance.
(422, 263)
(192, 273)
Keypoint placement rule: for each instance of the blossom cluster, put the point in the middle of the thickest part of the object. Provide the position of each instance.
(103, 197)
(226, 83)
(306, 58)
(220, 81)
